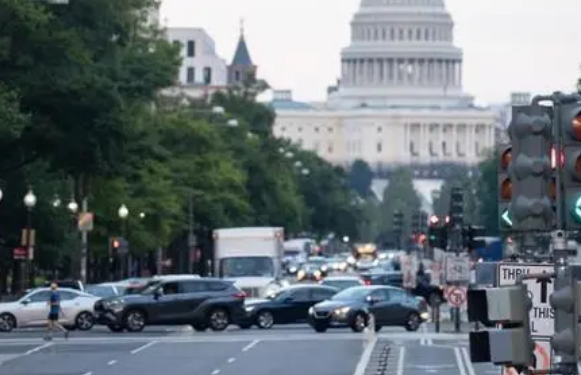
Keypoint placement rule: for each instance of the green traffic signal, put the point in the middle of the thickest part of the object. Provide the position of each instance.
(577, 209)
(506, 218)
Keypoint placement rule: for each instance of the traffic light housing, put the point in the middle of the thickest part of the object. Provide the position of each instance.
(570, 128)
(398, 221)
(512, 344)
(504, 187)
(437, 234)
(416, 223)
(566, 341)
(470, 235)
(119, 245)
(423, 222)
(530, 132)
(456, 206)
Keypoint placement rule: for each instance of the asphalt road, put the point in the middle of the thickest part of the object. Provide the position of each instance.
(282, 351)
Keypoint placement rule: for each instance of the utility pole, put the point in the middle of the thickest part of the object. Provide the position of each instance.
(191, 236)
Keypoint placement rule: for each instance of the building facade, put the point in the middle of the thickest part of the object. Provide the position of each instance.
(399, 100)
(201, 64)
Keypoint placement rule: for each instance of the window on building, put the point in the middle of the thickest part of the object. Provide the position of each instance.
(191, 75)
(283, 129)
(330, 148)
(237, 76)
(477, 149)
(300, 130)
(316, 130)
(207, 76)
(379, 147)
(330, 129)
(444, 148)
(432, 149)
(412, 149)
(316, 146)
(191, 48)
(379, 129)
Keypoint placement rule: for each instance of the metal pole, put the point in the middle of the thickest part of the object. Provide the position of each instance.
(84, 244)
(122, 254)
(457, 241)
(25, 263)
(191, 236)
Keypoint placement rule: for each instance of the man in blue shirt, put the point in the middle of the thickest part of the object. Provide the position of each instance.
(54, 305)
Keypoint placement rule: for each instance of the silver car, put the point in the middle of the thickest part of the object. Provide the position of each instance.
(32, 310)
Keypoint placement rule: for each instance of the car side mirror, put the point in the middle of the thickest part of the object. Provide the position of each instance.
(157, 294)
(25, 302)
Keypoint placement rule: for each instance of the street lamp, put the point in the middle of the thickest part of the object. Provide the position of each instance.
(233, 123)
(123, 212)
(305, 172)
(56, 201)
(289, 155)
(298, 164)
(142, 215)
(73, 207)
(217, 110)
(25, 270)
(1, 194)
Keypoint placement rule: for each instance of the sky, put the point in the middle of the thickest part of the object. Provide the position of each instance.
(509, 45)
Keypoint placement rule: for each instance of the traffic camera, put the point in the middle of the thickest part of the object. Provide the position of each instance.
(504, 187)
(570, 129)
(512, 344)
(531, 136)
(566, 341)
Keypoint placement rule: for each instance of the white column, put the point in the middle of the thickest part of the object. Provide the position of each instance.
(460, 73)
(393, 63)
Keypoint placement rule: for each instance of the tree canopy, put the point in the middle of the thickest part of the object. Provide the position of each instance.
(82, 116)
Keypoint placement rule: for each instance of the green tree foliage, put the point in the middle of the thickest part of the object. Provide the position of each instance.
(400, 195)
(441, 203)
(81, 115)
(487, 194)
(360, 178)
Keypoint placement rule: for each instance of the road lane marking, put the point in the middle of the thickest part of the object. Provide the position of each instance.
(365, 357)
(230, 360)
(38, 348)
(111, 363)
(400, 361)
(88, 373)
(467, 362)
(143, 347)
(250, 346)
(216, 372)
(459, 361)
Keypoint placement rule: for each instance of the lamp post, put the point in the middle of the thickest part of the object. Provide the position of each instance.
(25, 268)
(123, 213)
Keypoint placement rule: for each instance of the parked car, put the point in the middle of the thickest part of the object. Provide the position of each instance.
(289, 305)
(342, 282)
(353, 308)
(105, 290)
(32, 310)
(434, 295)
(200, 302)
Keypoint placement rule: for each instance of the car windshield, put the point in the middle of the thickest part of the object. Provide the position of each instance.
(247, 267)
(317, 261)
(342, 284)
(351, 294)
(104, 291)
(148, 288)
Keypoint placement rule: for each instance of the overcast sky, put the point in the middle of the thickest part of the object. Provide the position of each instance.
(509, 45)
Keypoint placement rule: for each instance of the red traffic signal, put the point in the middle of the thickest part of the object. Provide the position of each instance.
(115, 244)
(506, 158)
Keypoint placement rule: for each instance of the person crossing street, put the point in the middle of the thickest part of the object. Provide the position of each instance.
(54, 304)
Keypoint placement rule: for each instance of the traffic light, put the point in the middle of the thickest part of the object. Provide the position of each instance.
(570, 128)
(119, 245)
(470, 235)
(398, 221)
(423, 222)
(115, 244)
(504, 187)
(512, 344)
(566, 341)
(456, 206)
(437, 234)
(530, 132)
(416, 227)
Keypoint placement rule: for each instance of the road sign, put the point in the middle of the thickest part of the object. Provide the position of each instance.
(19, 253)
(85, 222)
(457, 268)
(456, 296)
(409, 270)
(541, 316)
(542, 358)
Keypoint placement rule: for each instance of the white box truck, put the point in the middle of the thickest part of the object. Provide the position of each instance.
(251, 257)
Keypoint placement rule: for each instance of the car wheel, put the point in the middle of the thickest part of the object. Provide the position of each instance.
(320, 327)
(84, 321)
(413, 322)
(115, 328)
(359, 322)
(134, 321)
(218, 319)
(264, 320)
(7, 322)
(199, 327)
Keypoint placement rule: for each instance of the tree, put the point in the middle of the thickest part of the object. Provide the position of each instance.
(360, 178)
(400, 195)
(487, 194)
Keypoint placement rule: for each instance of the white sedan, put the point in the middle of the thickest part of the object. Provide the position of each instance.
(32, 310)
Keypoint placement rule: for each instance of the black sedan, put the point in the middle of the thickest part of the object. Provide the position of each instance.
(353, 308)
(290, 305)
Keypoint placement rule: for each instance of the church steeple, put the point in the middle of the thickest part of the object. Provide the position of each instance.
(241, 66)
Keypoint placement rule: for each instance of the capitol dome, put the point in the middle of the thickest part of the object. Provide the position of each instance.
(402, 53)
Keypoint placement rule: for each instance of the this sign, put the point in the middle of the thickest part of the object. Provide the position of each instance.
(543, 356)
(85, 222)
(541, 316)
(457, 268)
(19, 253)
(27, 237)
(409, 270)
(456, 296)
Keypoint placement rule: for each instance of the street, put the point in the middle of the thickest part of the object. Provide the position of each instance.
(281, 350)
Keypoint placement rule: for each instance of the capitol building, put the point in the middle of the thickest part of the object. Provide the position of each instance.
(399, 100)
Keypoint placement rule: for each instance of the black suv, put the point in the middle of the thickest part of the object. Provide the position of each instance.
(203, 303)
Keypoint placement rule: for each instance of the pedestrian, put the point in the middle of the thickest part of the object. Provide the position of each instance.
(54, 304)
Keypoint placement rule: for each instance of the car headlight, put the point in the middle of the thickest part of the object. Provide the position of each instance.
(249, 308)
(324, 268)
(342, 311)
(343, 265)
(311, 310)
(301, 274)
(425, 315)
(317, 273)
(293, 269)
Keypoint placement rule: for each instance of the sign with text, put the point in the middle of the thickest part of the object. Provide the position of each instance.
(457, 268)
(541, 316)
(543, 356)
(409, 270)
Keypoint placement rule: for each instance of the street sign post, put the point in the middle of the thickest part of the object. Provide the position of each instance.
(457, 268)
(541, 317)
(456, 296)
(409, 269)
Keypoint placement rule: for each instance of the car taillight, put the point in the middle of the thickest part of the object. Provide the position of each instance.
(367, 282)
(240, 295)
